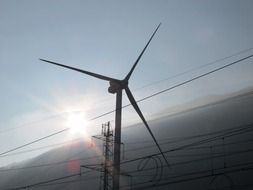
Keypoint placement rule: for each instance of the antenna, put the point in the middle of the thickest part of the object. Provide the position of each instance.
(116, 87)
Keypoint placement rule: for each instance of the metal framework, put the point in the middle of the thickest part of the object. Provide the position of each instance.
(106, 176)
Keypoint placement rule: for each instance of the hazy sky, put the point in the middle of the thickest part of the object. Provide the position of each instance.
(106, 37)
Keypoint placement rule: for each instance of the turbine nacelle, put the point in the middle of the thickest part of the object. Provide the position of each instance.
(115, 86)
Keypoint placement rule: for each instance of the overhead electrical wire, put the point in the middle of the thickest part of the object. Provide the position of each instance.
(197, 77)
(32, 142)
(163, 141)
(168, 140)
(196, 68)
(192, 175)
(218, 154)
(249, 168)
(193, 148)
(230, 170)
(229, 134)
(179, 84)
(239, 131)
(48, 182)
(183, 138)
(43, 147)
(226, 133)
(236, 129)
(157, 185)
(65, 177)
(221, 155)
(68, 182)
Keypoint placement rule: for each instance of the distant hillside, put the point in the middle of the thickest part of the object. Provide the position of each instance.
(205, 101)
(209, 147)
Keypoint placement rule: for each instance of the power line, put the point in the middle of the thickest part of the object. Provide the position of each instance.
(193, 148)
(228, 170)
(128, 161)
(190, 173)
(195, 178)
(35, 141)
(196, 143)
(68, 182)
(43, 147)
(180, 84)
(172, 140)
(197, 77)
(238, 129)
(226, 132)
(183, 138)
(47, 165)
(48, 182)
(197, 68)
(70, 176)
(248, 127)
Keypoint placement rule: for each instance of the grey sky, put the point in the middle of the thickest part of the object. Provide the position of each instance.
(106, 37)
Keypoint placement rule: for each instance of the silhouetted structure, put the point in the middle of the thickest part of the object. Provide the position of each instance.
(107, 166)
(116, 86)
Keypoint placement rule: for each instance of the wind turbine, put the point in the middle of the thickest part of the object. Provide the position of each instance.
(116, 86)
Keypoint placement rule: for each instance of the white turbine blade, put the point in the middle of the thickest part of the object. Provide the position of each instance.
(81, 71)
(133, 67)
(137, 109)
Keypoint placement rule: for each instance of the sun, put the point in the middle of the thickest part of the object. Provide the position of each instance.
(78, 123)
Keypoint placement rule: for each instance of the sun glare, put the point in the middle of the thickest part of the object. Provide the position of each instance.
(77, 123)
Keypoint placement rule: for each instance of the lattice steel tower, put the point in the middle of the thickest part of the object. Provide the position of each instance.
(106, 177)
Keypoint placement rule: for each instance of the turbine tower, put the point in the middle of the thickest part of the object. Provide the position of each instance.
(116, 86)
